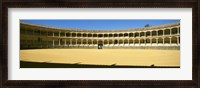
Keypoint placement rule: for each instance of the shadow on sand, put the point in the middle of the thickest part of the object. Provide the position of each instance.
(25, 64)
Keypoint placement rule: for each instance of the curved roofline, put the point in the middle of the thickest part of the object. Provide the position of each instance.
(135, 29)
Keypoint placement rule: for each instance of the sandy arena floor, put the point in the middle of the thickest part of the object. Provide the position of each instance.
(136, 57)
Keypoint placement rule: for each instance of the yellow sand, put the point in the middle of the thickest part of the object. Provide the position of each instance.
(139, 57)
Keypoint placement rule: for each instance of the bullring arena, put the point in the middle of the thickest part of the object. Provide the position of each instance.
(148, 46)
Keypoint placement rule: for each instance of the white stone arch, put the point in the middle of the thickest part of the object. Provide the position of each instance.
(84, 35)
(100, 35)
(84, 41)
(110, 35)
(148, 33)
(89, 41)
(121, 41)
(100, 41)
(106, 41)
(174, 30)
(154, 40)
(131, 34)
(94, 41)
(116, 35)
(121, 35)
(73, 41)
(154, 33)
(167, 40)
(116, 41)
(89, 34)
(142, 34)
(160, 40)
(142, 41)
(78, 41)
(148, 40)
(110, 41)
(95, 35)
(125, 41)
(105, 35)
(73, 34)
(126, 35)
(79, 34)
(131, 41)
(160, 32)
(136, 41)
(167, 31)
(137, 34)
(174, 40)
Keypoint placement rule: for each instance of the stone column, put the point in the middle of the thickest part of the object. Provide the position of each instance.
(123, 42)
(87, 41)
(144, 34)
(97, 41)
(163, 40)
(81, 35)
(163, 32)
(59, 42)
(118, 42)
(113, 41)
(65, 42)
(178, 40)
(144, 41)
(53, 33)
(151, 41)
(157, 41)
(170, 31)
(151, 33)
(59, 33)
(53, 43)
(76, 41)
(170, 40)
(139, 42)
(128, 42)
(139, 34)
(156, 33)
(70, 41)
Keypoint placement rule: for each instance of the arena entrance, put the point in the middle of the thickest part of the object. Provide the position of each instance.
(100, 44)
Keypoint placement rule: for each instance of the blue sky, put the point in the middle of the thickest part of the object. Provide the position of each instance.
(99, 24)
